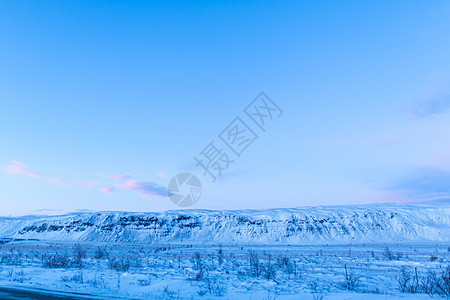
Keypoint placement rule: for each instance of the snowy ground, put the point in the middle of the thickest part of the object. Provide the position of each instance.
(189, 271)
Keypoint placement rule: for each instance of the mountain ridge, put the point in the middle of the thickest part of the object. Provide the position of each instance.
(302, 225)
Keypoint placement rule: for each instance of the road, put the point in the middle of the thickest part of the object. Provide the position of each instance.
(13, 293)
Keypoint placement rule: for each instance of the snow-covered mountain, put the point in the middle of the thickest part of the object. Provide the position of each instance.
(307, 225)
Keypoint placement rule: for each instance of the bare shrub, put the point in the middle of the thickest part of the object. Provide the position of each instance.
(350, 280)
(317, 290)
(256, 268)
(428, 283)
(20, 276)
(167, 293)
(403, 279)
(388, 254)
(10, 273)
(75, 278)
(11, 259)
(97, 282)
(145, 282)
(79, 254)
(197, 260)
(56, 261)
(78, 278)
(287, 265)
(220, 256)
(270, 271)
(391, 256)
(198, 276)
(100, 253)
(120, 265)
(408, 283)
(210, 284)
(314, 287)
(432, 284)
(442, 284)
(136, 262)
(318, 297)
(367, 290)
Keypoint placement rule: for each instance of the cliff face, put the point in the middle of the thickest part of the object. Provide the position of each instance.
(339, 224)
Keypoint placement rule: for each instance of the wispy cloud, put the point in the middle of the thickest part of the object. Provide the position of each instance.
(429, 108)
(85, 184)
(121, 176)
(163, 175)
(146, 188)
(20, 168)
(425, 184)
(114, 176)
(107, 190)
(67, 183)
(59, 181)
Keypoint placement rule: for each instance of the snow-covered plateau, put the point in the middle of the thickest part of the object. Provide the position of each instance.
(378, 251)
(309, 225)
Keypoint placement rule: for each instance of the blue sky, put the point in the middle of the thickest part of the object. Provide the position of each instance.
(102, 102)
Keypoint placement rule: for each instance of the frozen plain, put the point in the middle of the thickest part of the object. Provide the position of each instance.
(382, 251)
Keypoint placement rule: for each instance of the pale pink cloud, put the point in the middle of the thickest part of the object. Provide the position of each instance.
(130, 185)
(59, 181)
(163, 175)
(107, 190)
(145, 188)
(85, 184)
(20, 168)
(67, 183)
(114, 176)
(121, 176)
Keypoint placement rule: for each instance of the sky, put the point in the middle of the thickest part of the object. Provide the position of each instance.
(103, 102)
